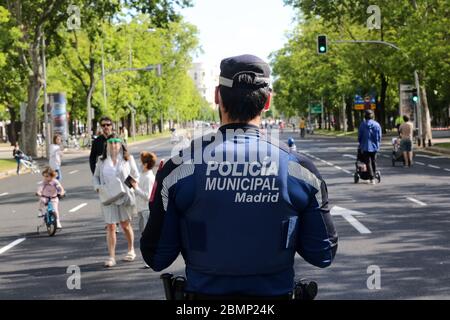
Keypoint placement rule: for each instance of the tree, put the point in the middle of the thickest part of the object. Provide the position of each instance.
(36, 18)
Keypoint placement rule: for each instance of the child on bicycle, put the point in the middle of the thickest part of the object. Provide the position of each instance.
(51, 188)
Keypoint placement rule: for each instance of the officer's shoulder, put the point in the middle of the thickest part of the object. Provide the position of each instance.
(305, 162)
(298, 157)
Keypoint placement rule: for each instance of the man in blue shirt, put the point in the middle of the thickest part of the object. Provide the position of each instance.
(369, 138)
(238, 204)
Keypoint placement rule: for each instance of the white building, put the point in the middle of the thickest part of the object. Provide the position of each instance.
(206, 79)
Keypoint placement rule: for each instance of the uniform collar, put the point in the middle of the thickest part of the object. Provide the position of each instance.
(234, 126)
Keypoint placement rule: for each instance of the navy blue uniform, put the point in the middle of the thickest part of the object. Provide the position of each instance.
(239, 216)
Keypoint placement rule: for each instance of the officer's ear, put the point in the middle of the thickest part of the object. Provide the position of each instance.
(217, 96)
(268, 102)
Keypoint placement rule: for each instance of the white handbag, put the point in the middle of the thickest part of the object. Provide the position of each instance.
(111, 192)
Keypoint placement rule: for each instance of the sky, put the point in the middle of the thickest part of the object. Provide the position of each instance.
(233, 27)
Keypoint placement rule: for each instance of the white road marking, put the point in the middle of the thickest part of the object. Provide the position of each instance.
(349, 216)
(346, 171)
(4, 194)
(12, 244)
(349, 156)
(429, 157)
(74, 171)
(329, 163)
(385, 156)
(78, 207)
(447, 170)
(420, 163)
(417, 201)
(337, 167)
(434, 167)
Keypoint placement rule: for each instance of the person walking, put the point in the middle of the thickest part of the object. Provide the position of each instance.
(143, 188)
(406, 134)
(99, 143)
(56, 152)
(369, 138)
(302, 127)
(112, 170)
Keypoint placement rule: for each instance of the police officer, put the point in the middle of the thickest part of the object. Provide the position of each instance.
(237, 204)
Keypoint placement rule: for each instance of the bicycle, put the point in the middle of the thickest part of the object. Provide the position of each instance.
(29, 163)
(49, 219)
(73, 143)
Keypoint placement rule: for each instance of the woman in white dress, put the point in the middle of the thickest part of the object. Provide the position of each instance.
(112, 169)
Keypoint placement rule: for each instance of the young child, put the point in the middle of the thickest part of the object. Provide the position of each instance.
(143, 188)
(52, 188)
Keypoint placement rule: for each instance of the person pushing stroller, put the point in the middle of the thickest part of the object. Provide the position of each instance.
(369, 138)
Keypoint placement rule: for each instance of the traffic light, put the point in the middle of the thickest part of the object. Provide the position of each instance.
(322, 46)
(415, 95)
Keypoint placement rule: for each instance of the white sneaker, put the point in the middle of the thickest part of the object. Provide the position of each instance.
(40, 214)
(58, 225)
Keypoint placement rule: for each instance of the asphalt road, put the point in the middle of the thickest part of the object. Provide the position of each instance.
(400, 228)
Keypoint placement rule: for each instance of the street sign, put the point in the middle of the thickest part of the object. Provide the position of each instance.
(366, 103)
(315, 109)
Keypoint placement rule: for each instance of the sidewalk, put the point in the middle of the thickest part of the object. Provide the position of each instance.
(435, 148)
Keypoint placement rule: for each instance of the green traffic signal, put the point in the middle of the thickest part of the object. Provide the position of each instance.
(322, 44)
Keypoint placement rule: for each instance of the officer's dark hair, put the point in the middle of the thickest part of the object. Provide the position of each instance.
(405, 118)
(244, 102)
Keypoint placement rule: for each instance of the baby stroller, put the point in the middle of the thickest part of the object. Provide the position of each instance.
(397, 153)
(362, 171)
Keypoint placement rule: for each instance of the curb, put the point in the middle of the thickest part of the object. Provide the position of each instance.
(12, 172)
(444, 151)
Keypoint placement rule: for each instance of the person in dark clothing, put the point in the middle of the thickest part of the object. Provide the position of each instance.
(369, 138)
(238, 237)
(99, 143)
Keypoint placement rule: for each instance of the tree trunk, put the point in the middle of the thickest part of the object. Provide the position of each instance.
(12, 128)
(426, 119)
(29, 126)
(337, 119)
(384, 86)
(348, 110)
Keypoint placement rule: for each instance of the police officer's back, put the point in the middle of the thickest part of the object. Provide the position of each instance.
(238, 205)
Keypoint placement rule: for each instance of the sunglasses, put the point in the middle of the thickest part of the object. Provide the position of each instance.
(106, 125)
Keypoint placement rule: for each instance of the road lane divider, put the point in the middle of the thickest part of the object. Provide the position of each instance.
(433, 166)
(420, 163)
(4, 194)
(423, 204)
(74, 171)
(11, 245)
(348, 215)
(78, 207)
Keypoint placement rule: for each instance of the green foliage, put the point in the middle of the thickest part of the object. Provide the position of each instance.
(421, 28)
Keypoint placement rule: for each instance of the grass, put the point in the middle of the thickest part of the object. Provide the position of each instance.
(7, 164)
(149, 136)
(335, 133)
(443, 145)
